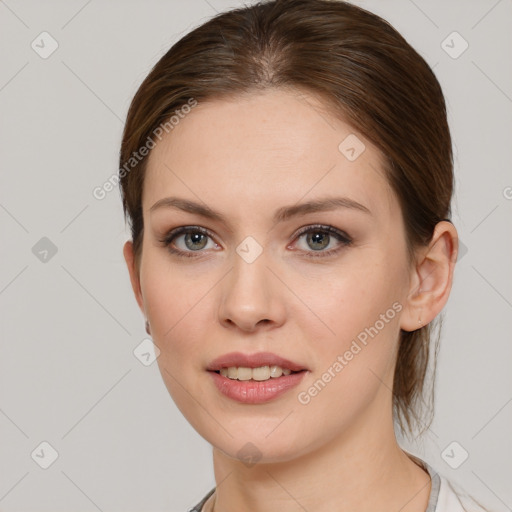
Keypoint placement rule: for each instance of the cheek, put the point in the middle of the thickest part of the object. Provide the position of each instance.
(176, 307)
(175, 303)
(360, 310)
(355, 363)
(352, 297)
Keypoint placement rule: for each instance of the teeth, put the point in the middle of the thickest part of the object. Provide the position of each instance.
(260, 373)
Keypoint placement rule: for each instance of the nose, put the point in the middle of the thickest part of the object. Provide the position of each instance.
(251, 296)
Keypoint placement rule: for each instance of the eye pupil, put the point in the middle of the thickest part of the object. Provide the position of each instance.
(317, 237)
(196, 237)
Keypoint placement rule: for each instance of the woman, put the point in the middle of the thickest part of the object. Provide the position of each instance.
(287, 172)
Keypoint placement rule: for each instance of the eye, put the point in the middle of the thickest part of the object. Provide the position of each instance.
(194, 239)
(318, 237)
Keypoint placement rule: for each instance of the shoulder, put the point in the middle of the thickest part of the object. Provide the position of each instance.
(199, 506)
(453, 498)
(446, 496)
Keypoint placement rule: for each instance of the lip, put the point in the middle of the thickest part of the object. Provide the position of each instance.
(253, 361)
(256, 392)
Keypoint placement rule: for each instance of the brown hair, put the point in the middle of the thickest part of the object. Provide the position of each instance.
(363, 69)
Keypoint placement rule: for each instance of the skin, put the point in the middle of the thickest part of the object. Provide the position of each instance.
(245, 158)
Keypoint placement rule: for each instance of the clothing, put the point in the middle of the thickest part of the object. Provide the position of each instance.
(443, 496)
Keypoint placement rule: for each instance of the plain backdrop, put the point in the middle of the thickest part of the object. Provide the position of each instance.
(112, 438)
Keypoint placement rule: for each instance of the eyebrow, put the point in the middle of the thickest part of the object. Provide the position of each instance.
(282, 214)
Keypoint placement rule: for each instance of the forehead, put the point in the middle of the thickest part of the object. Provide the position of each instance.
(265, 149)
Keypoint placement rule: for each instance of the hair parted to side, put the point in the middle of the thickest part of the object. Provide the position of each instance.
(362, 69)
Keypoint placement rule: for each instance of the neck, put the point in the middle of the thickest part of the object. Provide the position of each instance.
(362, 469)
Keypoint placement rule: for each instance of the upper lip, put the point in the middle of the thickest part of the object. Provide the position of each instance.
(253, 361)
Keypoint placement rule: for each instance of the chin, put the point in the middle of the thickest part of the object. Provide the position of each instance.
(254, 447)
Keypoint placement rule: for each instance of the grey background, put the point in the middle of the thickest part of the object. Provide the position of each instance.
(70, 324)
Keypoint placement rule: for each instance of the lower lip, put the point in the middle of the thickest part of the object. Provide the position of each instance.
(253, 391)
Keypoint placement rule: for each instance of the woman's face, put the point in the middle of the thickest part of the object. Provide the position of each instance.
(330, 302)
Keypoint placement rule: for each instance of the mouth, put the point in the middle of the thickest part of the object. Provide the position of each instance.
(261, 366)
(258, 384)
(260, 373)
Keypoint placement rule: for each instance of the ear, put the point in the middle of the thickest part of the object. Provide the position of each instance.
(431, 278)
(134, 273)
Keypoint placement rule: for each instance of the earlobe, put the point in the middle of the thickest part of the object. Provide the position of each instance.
(432, 278)
(134, 273)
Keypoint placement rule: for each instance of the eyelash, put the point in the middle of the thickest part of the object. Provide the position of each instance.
(342, 237)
